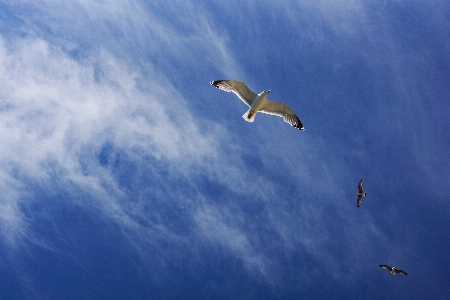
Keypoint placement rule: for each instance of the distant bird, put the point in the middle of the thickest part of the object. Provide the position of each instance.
(258, 103)
(393, 270)
(360, 194)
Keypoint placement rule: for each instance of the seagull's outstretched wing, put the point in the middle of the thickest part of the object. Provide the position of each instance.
(360, 188)
(400, 272)
(358, 201)
(282, 110)
(386, 267)
(239, 88)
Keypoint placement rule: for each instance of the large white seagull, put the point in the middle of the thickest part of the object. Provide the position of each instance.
(258, 103)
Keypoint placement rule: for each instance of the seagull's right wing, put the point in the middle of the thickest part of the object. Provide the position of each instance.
(239, 88)
(386, 267)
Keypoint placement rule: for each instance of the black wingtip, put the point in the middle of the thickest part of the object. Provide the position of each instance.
(300, 126)
(216, 83)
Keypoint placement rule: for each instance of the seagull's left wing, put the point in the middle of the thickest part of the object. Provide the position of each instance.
(358, 201)
(386, 267)
(282, 110)
(401, 272)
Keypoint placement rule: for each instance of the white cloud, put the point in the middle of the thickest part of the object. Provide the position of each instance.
(12, 226)
(55, 110)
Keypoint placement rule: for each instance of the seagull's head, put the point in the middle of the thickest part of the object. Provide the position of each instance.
(268, 91)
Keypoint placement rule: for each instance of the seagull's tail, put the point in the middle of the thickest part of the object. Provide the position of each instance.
(249, 116)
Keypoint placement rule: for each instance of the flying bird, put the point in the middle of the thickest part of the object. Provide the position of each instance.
(258, 103)
(393, 270)
(360, 194)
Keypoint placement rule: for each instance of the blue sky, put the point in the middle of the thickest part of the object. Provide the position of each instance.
(126, 175)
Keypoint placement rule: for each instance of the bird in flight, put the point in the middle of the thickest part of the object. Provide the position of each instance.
(360, 194)
(393, 270)
(258, 102)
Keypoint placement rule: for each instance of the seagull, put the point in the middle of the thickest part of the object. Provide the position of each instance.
(360, 194)
(393, 270)
(258, 103)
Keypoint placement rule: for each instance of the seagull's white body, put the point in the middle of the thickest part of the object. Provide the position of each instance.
(256, 106)
(393, 270)
(258, 102)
